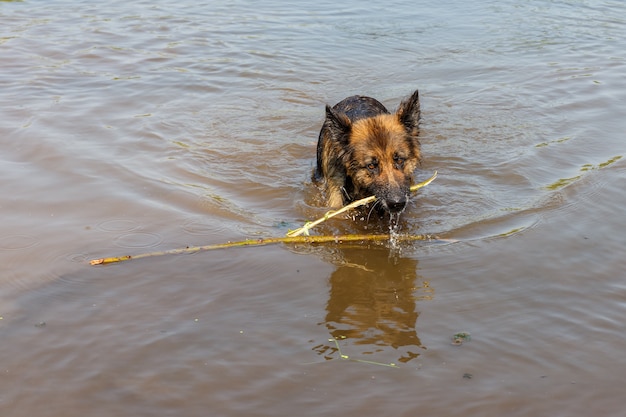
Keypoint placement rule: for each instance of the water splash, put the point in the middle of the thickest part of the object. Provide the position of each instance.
(394, 234)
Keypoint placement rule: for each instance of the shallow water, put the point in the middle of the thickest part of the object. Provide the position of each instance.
(147, 126)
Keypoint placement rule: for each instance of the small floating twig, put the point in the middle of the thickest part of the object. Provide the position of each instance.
(342, 356)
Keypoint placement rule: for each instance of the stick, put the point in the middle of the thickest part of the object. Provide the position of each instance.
(291, 237)
(268, 241)
(309, 225)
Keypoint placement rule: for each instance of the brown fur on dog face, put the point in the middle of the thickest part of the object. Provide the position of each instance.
(363, 150)
(382, 160)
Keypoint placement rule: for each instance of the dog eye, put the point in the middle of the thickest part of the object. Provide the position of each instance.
(399, 161)
(372, 165)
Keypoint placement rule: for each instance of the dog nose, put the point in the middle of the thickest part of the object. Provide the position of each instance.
(395, 205)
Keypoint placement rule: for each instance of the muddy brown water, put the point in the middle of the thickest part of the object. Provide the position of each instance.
(134, 127)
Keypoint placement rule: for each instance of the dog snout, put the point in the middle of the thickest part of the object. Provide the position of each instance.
(396, 202)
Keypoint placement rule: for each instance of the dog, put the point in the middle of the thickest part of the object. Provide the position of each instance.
(364, 150)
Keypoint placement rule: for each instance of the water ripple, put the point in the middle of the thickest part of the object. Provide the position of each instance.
(17, 242)
(138, 240)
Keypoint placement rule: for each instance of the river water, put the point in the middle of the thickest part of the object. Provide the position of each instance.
(135, 127)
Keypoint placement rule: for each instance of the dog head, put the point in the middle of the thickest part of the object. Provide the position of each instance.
(380, 152)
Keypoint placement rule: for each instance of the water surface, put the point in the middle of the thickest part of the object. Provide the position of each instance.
(146, 126)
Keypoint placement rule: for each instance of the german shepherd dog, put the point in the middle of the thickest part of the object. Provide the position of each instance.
(364, 150)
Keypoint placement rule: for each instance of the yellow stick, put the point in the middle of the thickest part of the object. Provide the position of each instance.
(309, 225)
(268, 241)
(291, 237)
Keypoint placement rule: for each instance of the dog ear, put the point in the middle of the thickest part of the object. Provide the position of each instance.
(337, 125)
(409, 113)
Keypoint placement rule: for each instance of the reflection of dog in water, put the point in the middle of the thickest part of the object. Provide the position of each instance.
(372, 303)
(364, 150)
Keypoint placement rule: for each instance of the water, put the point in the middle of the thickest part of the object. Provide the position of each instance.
(146, 126)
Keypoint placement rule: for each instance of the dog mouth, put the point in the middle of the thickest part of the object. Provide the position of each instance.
(395, 205)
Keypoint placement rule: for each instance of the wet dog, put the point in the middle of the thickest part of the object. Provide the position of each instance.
(364, 150)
